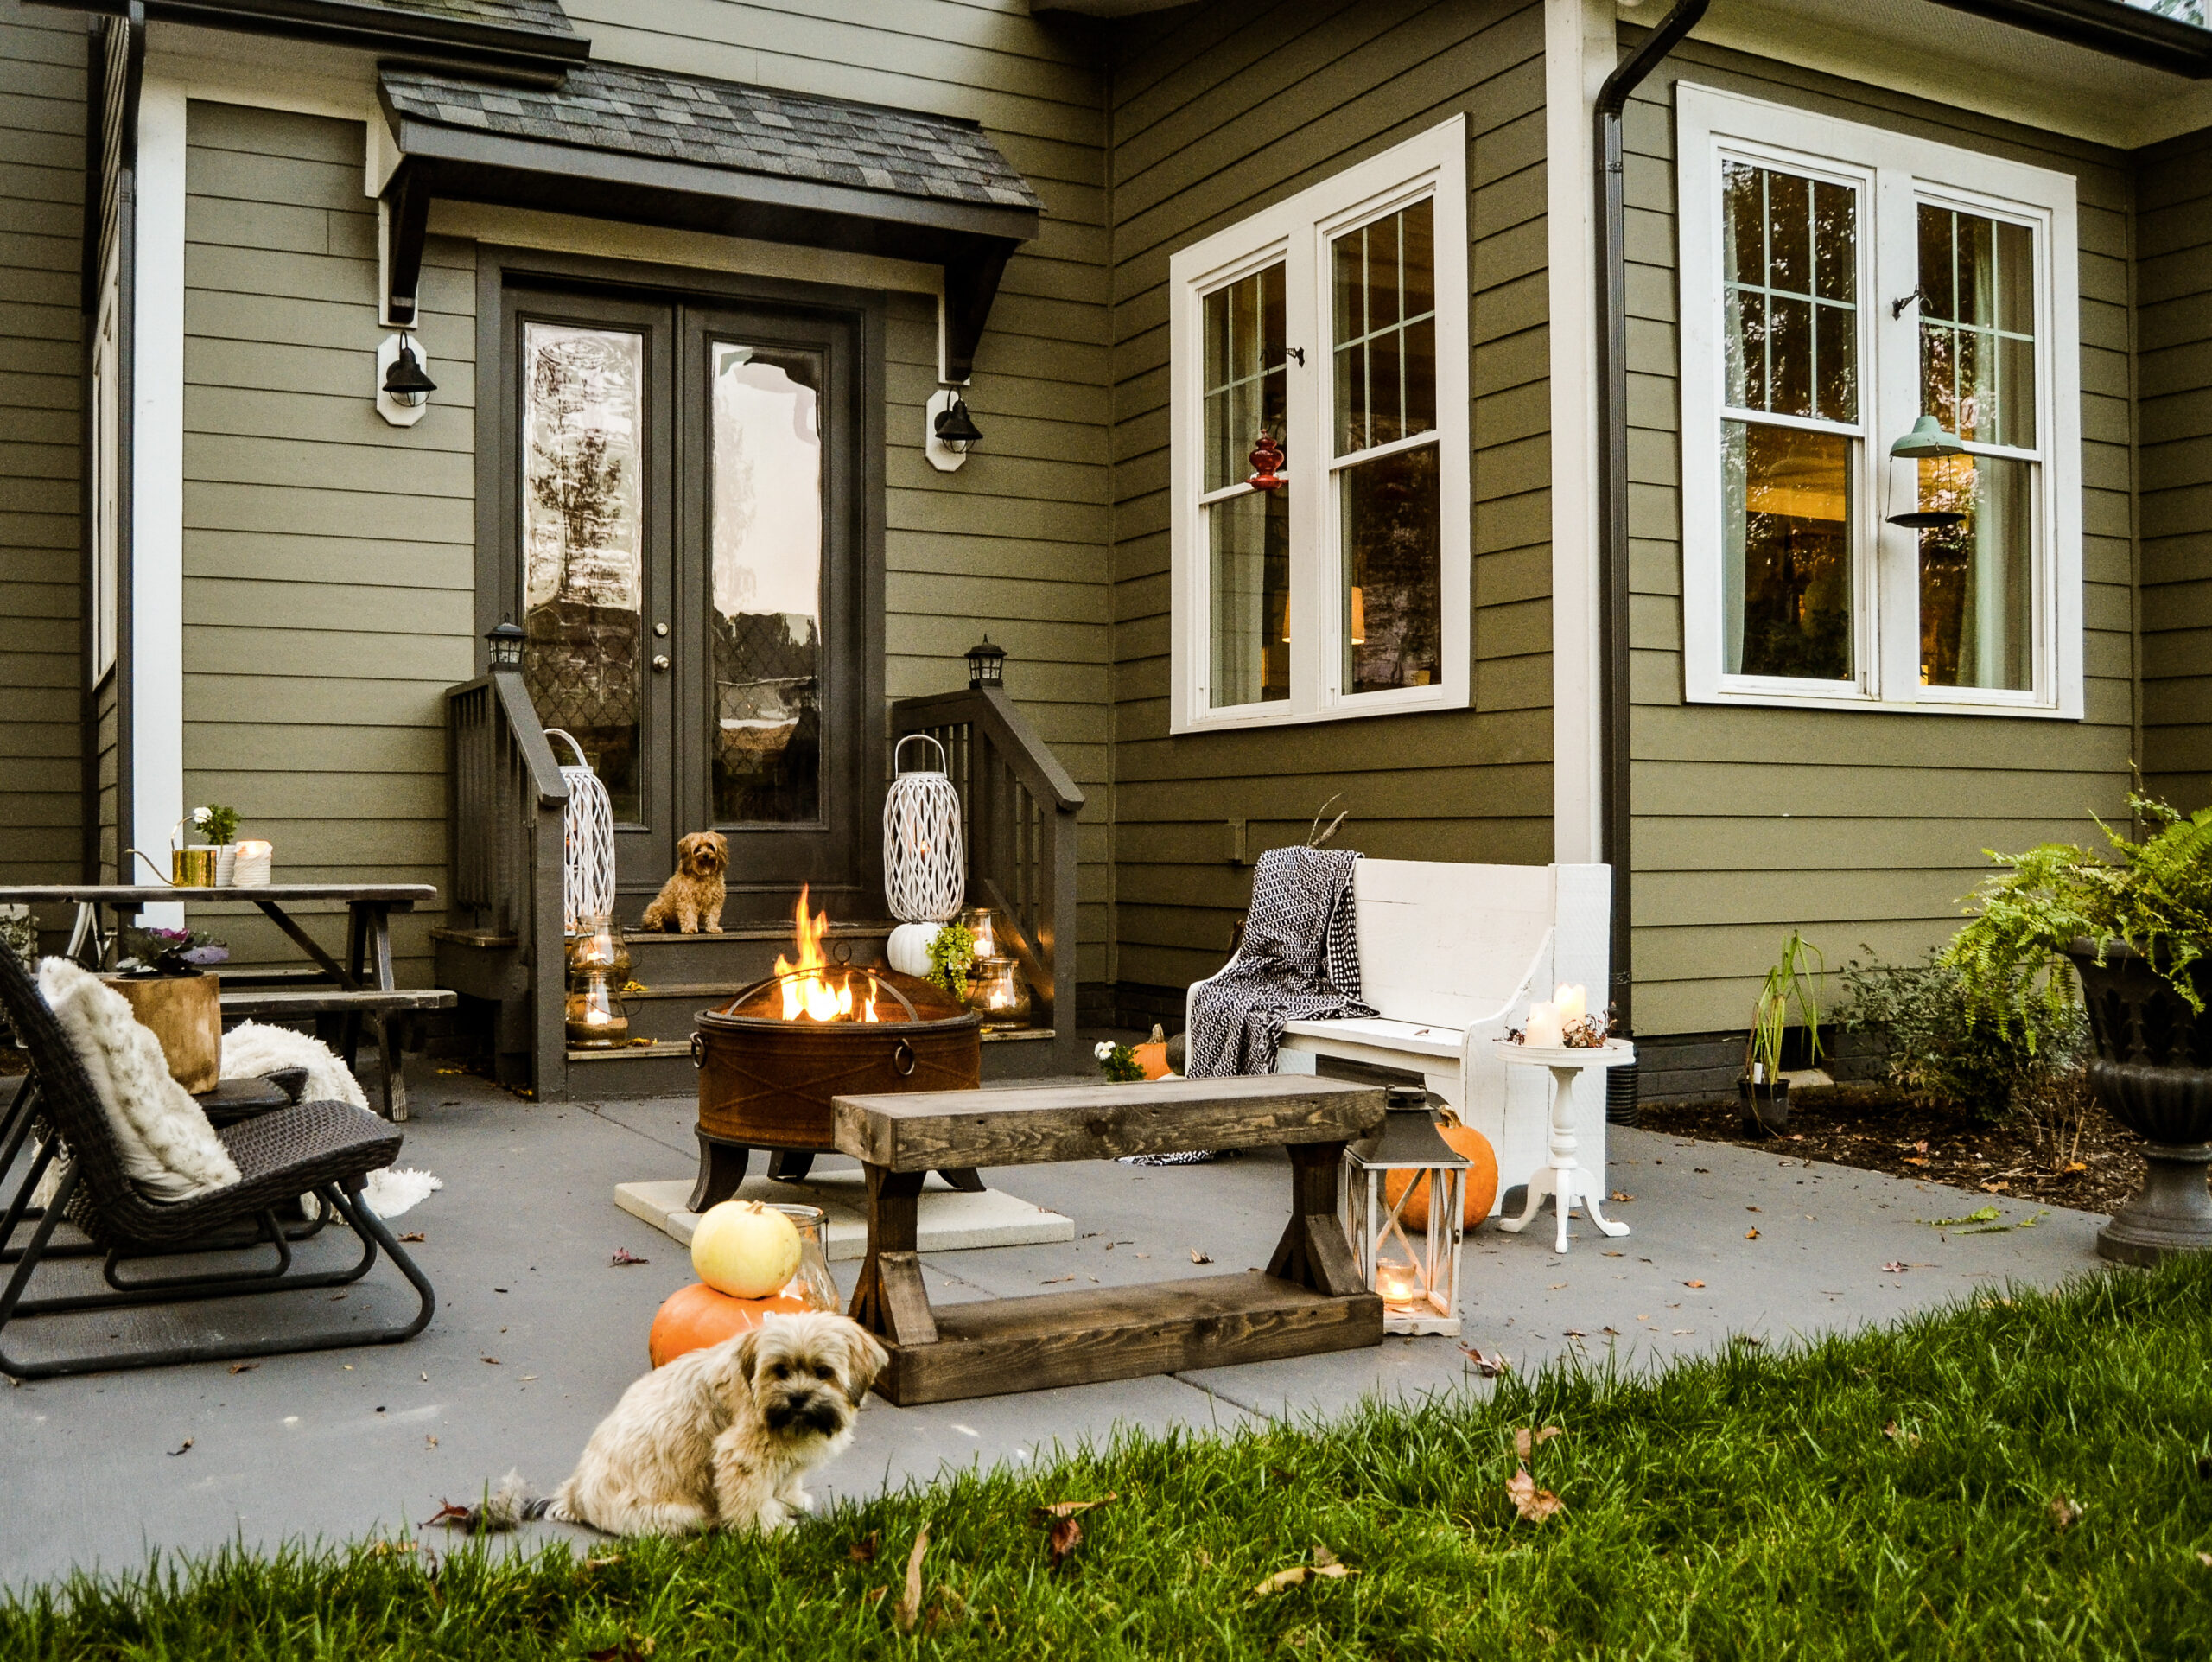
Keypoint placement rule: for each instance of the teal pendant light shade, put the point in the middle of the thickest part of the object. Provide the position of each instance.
(1927, 441)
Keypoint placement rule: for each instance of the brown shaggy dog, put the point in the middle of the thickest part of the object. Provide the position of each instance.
(692, 899)
(722, 1437)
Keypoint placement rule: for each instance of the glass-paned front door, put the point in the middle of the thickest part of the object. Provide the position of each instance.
(688, 572)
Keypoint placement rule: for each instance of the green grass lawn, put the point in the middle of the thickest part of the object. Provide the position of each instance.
(2028, 1475)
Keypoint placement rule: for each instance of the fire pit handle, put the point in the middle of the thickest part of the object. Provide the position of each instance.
(698, 1049)
(902, 1058)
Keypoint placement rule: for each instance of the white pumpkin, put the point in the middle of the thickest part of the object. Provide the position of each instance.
(745, 1249)
(907, 951)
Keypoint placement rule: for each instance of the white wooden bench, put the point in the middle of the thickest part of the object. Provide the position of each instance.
(1451, 954)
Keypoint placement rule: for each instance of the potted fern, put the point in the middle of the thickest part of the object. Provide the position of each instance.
(2133, 922)
(1762, 1090)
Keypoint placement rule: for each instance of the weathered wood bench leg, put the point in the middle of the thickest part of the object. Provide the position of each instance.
(1313, 1252)
(391, 1046)
(889, 1299)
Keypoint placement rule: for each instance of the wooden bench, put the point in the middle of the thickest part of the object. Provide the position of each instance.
(1451, 955)
(340, 1014)
(1310, 1298)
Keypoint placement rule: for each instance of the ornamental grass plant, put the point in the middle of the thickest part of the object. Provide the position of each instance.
(2027, 1475)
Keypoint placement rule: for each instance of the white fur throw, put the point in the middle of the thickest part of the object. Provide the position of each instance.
(252, 1048)
(168, 1151)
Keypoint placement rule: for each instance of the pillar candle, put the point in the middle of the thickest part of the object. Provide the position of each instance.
(1572, 1004)
(1545, 1030)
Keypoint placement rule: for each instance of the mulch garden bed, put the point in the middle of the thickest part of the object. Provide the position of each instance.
(1875, 1129)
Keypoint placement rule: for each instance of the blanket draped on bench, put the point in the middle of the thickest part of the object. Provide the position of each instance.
(1299, 961)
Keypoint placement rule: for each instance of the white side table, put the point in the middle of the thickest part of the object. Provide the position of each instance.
(1564, 1178)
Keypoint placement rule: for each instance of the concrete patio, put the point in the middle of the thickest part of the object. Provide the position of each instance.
(536, 1333)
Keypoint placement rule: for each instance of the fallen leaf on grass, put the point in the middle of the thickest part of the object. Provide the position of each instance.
(634, 1649)
(623, 1256)
(1482, 1366)
(2205, 1558)
(1062, 1536)
(173, 1452)
(1526, 1441)
(1069, 1508)
(606, 1563)
(417, 1235)
(1533, 1504)
(1897, 1434)
(2063, 1511)
(1325, 1565)
(909, 1609)
(864, 1551)
(244, 1367)
(1197, 1257)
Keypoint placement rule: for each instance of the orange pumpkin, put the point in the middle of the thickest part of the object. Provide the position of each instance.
(699, 1316)
(1152, 1058)
(1470, 1145)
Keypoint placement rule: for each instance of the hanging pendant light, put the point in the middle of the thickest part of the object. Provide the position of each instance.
(1927, 441)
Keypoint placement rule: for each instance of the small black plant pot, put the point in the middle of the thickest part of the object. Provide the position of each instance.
(2153, 1074)
(1766, 1106)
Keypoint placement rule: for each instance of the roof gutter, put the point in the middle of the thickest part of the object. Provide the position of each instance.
(1612, 511)
(2111, 26)
(536, 55)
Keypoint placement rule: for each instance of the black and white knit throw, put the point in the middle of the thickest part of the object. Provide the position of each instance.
(1299, 961)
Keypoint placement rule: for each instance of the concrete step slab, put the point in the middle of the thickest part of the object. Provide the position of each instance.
(950, 1220)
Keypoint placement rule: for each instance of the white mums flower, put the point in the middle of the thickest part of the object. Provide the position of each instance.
(1103, 1049)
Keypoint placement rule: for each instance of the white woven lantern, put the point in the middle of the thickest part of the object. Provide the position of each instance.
(587, 843)
(924, 860)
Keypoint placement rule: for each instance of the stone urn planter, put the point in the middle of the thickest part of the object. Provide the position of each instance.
(2152, 1073)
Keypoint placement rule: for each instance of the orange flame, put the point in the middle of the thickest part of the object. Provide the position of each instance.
(808, 991)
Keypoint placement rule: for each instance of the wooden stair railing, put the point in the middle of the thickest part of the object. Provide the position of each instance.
(1021, 808)
(504, 821)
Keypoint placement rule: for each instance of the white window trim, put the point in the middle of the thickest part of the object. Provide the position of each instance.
(1903, 170)
(1297, 230)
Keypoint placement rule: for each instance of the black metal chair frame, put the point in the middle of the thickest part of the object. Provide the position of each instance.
(325, 1149)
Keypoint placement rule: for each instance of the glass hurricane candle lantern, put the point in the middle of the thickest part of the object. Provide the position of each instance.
(1416, 1270)
(599, 968)
(998, 992)
(813, 1286)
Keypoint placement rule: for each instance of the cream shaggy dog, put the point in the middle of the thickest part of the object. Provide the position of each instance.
(722, 1436)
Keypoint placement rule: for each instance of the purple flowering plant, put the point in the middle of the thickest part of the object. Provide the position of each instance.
(168, 952)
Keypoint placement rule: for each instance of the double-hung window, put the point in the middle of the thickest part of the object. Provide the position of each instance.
(1843, 289)
(1332, 327)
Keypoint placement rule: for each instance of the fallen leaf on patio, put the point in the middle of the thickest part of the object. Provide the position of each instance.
(173, 1452)
(1197, 1257)
(1526, 1441)
(1615, 1332)
(1053, 1280)
(1554, 1286)
(2063, 1512)
(1978, 1215)
(1534, 1505)
(1751, 1234)
(426, 1377)
(1679, 1331)
(1484, 1366)
(1702, 1171)
(1693, 1284)
(910, 1601)
(493, 1361)
(1576, 1332)
(864, 1551)
(1751, 1209)
(1894, 1268)
(622, 1256)
(528, 1377)
(429, 1443)
(1616, 1254)
(1622, 1196)
(417, 1235)
(1298, 1574)
(244, 1367)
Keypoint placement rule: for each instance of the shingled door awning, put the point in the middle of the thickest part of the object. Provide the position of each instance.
(620, 143)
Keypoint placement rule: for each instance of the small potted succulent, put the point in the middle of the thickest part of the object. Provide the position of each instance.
(2133, 922)
(1763, 1090)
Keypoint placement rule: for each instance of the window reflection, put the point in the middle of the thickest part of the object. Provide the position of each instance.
(1977, 584)
(583, 546)
(1247, 532)
(1392, 571)
(764, 625)
(1787, 566)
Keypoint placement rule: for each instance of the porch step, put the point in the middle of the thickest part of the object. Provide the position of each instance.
(663, 1068)
(743, 954)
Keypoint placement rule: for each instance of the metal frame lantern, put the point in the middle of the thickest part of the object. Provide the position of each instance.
(986, 664)
(924, 860)
(1416, 1270)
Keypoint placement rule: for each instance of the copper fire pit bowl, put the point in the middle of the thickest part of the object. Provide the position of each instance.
(766, 1082)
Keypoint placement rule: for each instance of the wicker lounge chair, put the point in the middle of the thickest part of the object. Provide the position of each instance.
(326, 1148)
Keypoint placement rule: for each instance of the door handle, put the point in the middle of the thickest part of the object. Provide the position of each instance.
(660, 660)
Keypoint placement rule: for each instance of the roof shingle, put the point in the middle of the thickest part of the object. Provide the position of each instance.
(620, 108)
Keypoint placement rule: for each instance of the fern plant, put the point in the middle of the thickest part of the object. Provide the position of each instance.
(1791, 980)
(2155, 896)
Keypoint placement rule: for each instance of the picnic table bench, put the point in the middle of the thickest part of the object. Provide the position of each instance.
(1310, 1299)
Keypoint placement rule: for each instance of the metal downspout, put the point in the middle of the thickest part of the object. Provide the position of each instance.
(1612, 516)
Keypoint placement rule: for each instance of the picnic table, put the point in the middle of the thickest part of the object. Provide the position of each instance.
(342, 994)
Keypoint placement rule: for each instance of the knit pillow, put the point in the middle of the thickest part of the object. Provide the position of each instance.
(168, 1150)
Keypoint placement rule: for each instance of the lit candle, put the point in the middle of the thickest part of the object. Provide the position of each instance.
(1398, 1284)
(1545, 1030)
(1572, 1004)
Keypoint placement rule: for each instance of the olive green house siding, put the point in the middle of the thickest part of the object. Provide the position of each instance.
(41, 377)
(1857, 827)
(2173, 387)
(1217, 111)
